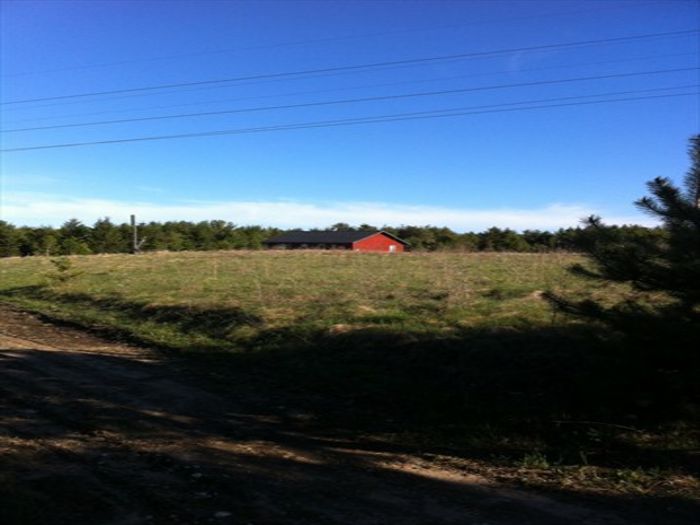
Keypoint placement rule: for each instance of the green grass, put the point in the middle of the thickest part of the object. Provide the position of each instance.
(417, 292)
(456, 351)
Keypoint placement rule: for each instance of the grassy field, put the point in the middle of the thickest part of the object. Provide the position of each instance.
(441, 352)
(249, 293)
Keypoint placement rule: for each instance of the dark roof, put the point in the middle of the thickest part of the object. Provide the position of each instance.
(326, 237)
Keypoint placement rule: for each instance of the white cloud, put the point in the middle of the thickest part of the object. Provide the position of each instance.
(27, 180)
(34, 209)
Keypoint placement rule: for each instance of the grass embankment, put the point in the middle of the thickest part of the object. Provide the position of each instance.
(455, 351)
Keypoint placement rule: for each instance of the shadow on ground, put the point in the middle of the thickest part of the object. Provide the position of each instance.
(99, 439)
(570, 394)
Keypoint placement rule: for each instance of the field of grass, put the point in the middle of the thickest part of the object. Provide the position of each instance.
(248, 293)
(455, 352)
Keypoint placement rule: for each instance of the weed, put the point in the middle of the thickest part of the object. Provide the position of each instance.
(534, 460)
(63, 271)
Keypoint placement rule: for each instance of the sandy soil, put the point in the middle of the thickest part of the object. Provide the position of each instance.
(95, 432)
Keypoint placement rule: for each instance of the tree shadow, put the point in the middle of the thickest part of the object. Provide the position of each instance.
(211, 323)
(570, 393)
(90, 438)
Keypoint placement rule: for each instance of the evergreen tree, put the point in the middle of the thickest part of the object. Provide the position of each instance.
(341, 227)
(667, 260)
(496, 239)
(9, 240)
(538, 240)
(40, 241)
(74, 238)
(105, 237)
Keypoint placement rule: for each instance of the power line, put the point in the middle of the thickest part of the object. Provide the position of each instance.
(454, 112)
(351, 88)
(361, 66)
(307, 92)
(354, 100)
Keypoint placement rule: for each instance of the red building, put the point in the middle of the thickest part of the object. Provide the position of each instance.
(359, 241)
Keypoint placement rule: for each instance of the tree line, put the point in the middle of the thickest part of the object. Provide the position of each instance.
(104, 236)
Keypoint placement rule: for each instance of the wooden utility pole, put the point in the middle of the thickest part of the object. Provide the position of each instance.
(134, 236)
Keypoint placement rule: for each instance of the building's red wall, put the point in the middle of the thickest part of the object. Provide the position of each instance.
(377, 243)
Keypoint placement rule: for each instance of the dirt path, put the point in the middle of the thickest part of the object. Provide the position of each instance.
(94, 432)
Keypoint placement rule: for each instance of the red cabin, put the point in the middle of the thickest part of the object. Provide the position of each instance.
(359, 241)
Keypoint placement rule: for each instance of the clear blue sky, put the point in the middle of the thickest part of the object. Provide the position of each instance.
(536, 168)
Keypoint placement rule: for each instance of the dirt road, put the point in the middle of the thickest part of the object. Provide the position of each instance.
(95, 432)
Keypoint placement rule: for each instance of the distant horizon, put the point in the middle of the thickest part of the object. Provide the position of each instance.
(319, 217)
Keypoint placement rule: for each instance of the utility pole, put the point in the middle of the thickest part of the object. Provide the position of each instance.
(134, 236)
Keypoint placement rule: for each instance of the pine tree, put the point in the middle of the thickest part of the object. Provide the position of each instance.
(667, 263)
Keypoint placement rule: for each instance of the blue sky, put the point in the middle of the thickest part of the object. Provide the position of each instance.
(541, 168)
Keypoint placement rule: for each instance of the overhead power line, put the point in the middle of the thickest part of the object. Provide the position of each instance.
(354, 100)
(305, 92)
(345, 88)
(362, 66)
(453, 112)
